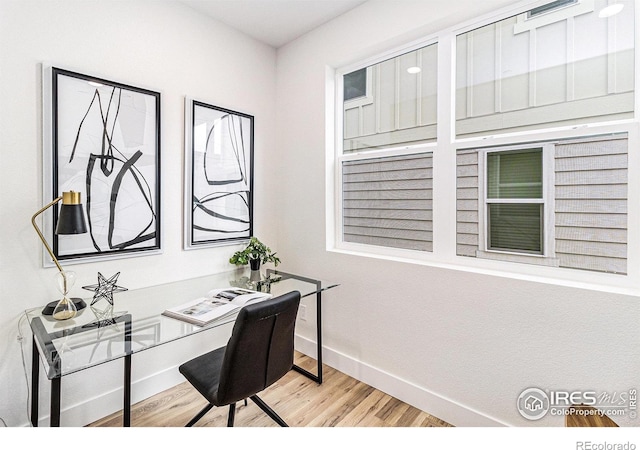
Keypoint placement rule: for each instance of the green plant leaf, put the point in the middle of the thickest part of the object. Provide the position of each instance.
(254, 250)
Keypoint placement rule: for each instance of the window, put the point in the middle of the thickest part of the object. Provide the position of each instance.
(386, 164)
(538, 126)
(401, 107)
(388, 201)
(355, 84)
(560, 203)
(515, 203)
(567, 66)
(550, 7)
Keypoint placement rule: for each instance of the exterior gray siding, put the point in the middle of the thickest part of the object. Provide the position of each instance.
(467, 203)
(388, 201)
(591, 205)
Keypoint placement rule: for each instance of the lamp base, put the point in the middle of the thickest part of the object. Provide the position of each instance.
(78, 302)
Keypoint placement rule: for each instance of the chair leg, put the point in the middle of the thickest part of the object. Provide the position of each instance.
(232, 414)
(198, 416)
(270, 412)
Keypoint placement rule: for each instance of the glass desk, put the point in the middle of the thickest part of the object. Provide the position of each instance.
(101, 333)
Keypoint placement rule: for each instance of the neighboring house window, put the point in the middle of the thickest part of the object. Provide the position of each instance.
(515, 201)
(550, 7)
(355, 84)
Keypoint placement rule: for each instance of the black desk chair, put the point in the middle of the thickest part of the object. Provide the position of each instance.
(259, 353)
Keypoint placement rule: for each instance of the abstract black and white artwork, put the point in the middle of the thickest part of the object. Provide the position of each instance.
(218, 175)
(105, 144)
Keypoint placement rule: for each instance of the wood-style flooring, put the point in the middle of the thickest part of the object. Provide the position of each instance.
(340, 401)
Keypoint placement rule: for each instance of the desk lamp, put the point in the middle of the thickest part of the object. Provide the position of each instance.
(70, 221)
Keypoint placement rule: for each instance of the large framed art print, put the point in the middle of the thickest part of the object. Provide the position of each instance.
(102, 139)
(218, 175)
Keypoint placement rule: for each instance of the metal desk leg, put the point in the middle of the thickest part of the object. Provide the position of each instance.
(319, 335)
(126, 413)
(316, 378)
(126, 416)
(55, 402)
(54, 362)
(35, 376)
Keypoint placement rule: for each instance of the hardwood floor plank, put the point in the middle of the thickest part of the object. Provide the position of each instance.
(340, 401)
(364, 409)
(343, 405)
(408, 417)
(392, 411)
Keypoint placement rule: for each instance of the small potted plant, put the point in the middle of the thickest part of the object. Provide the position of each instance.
(254, 254)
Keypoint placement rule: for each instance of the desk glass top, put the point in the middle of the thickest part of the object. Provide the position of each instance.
(102, 333)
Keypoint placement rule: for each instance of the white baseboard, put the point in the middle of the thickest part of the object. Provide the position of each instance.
(446, 409)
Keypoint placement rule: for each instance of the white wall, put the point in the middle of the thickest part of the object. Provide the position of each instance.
(459, 344)
(159, 45)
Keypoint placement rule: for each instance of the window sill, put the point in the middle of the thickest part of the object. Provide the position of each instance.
(514, 257)
(602, 282)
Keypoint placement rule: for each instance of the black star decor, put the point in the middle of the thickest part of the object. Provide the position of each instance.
(105, 288)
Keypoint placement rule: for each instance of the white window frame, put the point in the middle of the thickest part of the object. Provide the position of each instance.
(548, 255)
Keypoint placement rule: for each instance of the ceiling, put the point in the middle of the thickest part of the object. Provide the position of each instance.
(274, 22)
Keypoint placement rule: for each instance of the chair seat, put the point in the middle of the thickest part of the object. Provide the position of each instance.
(203, 373)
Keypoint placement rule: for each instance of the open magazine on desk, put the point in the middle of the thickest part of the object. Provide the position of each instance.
(217, 304)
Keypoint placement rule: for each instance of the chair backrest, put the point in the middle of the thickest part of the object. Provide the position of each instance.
(260, 350)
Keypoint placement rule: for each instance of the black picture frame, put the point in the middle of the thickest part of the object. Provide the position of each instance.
(102, 138)
(219, 165)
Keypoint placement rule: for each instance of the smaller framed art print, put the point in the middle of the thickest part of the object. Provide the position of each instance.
(218, 175)
(102, 139)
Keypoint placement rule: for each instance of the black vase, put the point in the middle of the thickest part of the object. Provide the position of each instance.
(255, 264)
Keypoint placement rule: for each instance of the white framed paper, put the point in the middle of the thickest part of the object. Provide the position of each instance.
(218, 175)
(102, 139)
